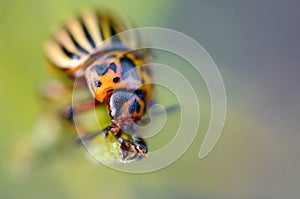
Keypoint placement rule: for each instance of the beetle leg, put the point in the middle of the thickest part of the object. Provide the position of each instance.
(70, 111)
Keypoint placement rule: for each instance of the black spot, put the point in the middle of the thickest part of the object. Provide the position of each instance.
(116, 79)
(99, 68)
(113, 67)
(134, 107)
(128, 65)
(143, 81)
(97, 83)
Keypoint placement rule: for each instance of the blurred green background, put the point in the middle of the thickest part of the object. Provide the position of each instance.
(256, 47)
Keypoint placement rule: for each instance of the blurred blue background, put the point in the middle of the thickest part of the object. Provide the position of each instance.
(255, 44)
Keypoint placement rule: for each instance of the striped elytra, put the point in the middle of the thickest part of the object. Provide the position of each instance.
(74, 42)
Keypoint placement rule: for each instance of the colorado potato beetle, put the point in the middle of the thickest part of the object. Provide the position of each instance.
(114, 71)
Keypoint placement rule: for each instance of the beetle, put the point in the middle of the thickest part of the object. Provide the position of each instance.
(87, 48)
